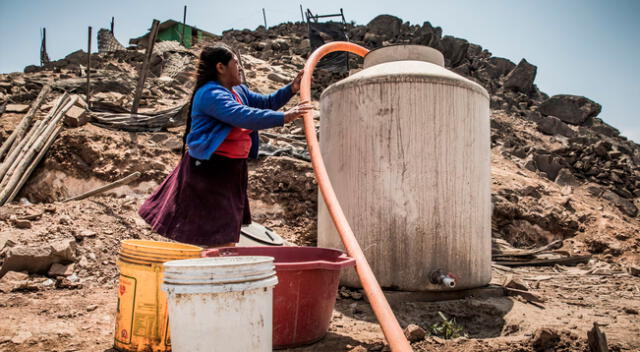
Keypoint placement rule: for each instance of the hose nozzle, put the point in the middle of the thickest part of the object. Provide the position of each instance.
(438, 277)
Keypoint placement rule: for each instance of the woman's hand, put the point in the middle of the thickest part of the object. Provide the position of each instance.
(297, 111)
(295, 85)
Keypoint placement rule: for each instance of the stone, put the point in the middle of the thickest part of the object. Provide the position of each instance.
(544, 339)
(276, 77)
(501, 66)
(386, 26)
(549, 164)
(39, 259)
(76, 117)
(20, 223)
(624, 205)
(414, 333)
(18, 108)
(58, 269)
(454, 50)
(571, 109)
(552, 125)
(12, 280)
(566, 178)
(22, 337)
(77, 57)
(521, 77)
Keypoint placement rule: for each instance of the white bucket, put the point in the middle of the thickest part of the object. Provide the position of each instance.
(220, 304)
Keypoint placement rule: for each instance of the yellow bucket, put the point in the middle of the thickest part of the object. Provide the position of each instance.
(141, 318)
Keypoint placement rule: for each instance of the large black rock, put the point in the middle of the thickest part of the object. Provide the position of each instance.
(521, 77)
(572, 109)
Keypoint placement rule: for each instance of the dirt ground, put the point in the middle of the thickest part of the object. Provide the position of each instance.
(77, 313)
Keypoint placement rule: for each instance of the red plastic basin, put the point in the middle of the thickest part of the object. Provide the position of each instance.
(305, 295)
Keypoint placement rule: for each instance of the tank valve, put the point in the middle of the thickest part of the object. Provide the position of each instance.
(438, 277)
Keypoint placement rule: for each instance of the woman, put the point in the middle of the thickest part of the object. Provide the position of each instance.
(204, 199)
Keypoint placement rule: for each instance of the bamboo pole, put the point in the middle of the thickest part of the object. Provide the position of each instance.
(15, 152)
(33, 164)
(13, 178)
(20, 130)
(22, 150)
(112, 185)
(145, 66)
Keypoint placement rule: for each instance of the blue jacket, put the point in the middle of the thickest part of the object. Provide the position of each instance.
(215, 112)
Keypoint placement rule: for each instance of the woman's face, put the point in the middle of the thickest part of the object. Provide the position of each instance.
(231, 72)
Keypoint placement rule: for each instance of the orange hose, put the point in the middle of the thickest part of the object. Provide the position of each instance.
(388, 322)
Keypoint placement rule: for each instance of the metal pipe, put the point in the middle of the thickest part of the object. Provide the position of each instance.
(438, 277)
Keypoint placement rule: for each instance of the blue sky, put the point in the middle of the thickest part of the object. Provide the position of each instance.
(582, 47)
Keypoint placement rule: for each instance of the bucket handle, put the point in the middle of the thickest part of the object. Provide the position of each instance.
(342, 261)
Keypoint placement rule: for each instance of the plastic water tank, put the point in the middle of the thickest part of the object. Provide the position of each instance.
(406, 144)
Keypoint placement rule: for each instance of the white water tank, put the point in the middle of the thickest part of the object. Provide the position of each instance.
(406, 144)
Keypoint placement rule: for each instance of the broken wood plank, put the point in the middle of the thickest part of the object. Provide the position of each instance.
(524, 252)
(118, 183)
(597, 339)
(548, 262)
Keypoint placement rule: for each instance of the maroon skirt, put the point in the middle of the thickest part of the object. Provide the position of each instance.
(202, 202)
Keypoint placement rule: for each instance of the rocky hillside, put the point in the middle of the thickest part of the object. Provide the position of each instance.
(559, 172)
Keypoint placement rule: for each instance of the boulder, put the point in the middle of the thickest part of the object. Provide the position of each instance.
(454, 50)
(552, 125)
(549, 164)
(521, 77)
(39, 259)
(572, 109)
(77, 57)
(565, 178)
(386, 26)
(626, 206)
(12, 281)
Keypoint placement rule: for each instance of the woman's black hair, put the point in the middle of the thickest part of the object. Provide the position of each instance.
(209, 58)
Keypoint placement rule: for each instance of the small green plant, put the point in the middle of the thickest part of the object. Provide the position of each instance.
(447, 329)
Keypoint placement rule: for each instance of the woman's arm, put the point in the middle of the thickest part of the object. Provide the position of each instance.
(277, 99)
(221, 105)
(273, 101)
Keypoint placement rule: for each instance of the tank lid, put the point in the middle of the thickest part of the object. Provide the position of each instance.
(261, 234)
(403, 52)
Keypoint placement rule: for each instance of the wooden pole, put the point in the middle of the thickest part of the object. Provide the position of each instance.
(12, 179)
(301, 13)
(120, 182)
(21, 129)
(112, 23)
(89, 69)
(264, 16)
(145, 66)
(184, 27)
(33, 164)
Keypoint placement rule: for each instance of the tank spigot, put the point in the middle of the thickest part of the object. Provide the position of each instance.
(438, 277)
